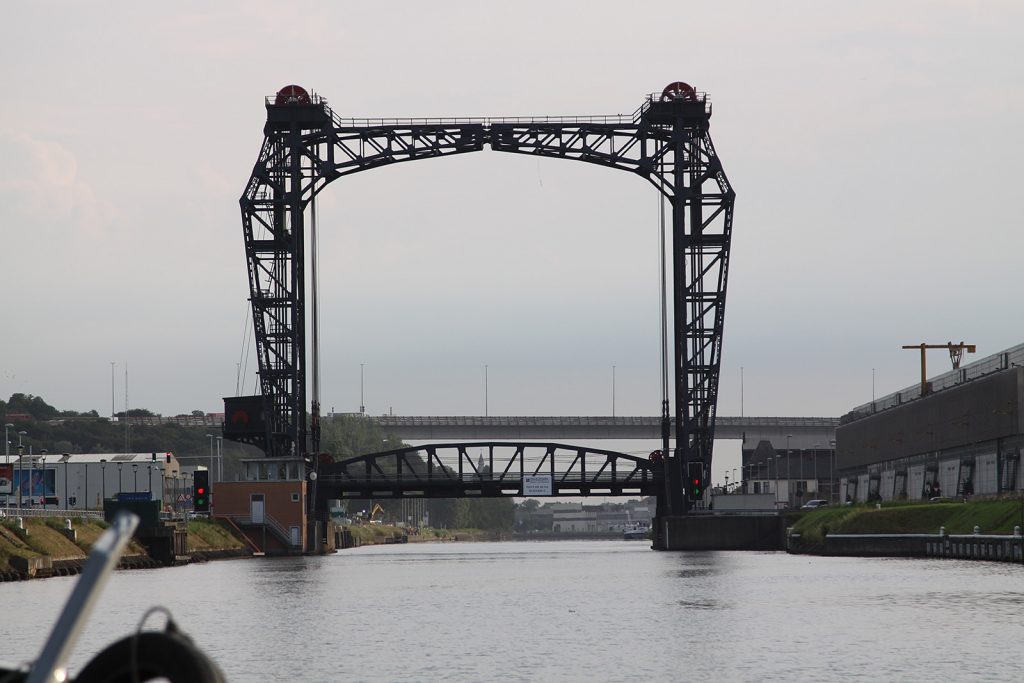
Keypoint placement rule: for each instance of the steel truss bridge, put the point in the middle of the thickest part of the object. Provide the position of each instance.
(307, 146)
(490, 469)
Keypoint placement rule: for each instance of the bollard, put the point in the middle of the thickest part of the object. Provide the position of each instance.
(977, 530)
(942, 531)
(878, 506)
(67, 524)
(1016, 531)
(21, 523)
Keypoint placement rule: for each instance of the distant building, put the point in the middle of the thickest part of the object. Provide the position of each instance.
(577, 518)
(80, 481)
(962, 438)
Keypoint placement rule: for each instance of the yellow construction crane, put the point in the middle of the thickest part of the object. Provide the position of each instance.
(373, 512)
(956, 352)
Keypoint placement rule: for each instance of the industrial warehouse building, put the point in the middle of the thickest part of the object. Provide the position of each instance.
(962, 438)
(81, 481)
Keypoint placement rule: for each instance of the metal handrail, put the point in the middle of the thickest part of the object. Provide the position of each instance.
(11, 512)
(485, 121)
(268, 520)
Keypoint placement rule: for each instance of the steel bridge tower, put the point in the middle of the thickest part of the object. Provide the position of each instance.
(306, 146)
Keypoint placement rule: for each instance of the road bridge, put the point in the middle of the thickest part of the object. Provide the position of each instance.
(802, 432)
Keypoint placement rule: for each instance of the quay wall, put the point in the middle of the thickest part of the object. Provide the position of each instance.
(998, 548)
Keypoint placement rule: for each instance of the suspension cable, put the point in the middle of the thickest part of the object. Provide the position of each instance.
(663, 285)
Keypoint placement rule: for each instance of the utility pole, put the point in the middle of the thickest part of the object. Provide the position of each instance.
(613, 391)
(127, 421)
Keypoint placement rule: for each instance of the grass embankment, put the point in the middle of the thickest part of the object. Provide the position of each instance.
(44, 537)
(205, 536)
(991, 516)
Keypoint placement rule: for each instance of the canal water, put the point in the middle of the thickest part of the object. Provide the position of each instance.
(562, 611)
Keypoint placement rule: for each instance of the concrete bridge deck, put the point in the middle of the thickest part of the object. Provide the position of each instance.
(803, 432)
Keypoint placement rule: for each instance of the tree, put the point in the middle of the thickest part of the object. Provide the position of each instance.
(347, 436)
(31, 405)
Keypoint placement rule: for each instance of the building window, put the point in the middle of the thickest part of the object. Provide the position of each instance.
(295, 498)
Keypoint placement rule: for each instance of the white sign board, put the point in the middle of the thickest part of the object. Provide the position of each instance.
(536, 485)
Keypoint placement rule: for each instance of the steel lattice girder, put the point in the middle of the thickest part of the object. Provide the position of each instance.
(306, 147)
(449, 470)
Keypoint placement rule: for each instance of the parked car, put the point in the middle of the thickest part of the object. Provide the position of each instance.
(814, 504)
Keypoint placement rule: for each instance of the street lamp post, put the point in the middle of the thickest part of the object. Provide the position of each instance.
(66, 457)
(21, 474)
(831, 469)
(135, 476)
(817, 486)
(162, 476)
(210, 437)
(120, 478)
(21, 466)
(103, 478)
(42, 476)
(485, 392)
(803, 484)
(7, 458)
(220, 458)
(777, 456)
(789, 470)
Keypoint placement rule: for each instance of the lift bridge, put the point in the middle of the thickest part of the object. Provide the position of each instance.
(307, 146)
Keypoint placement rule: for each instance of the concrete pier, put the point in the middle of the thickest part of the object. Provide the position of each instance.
(765, 531)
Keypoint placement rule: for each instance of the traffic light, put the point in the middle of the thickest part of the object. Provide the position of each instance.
(695, 480)
(201, 491)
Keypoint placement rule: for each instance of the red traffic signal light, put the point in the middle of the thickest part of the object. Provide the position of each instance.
(201, 487)
(695, 470)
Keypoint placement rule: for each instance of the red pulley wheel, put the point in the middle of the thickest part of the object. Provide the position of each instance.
(292, 94)
(679, 91)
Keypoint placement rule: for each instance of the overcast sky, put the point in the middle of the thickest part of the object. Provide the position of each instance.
(875, 148)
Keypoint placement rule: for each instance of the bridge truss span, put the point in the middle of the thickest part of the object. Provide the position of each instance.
(307, 146)
(490, 469)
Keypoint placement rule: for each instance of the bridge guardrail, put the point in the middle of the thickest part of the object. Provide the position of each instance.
(10, 513)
